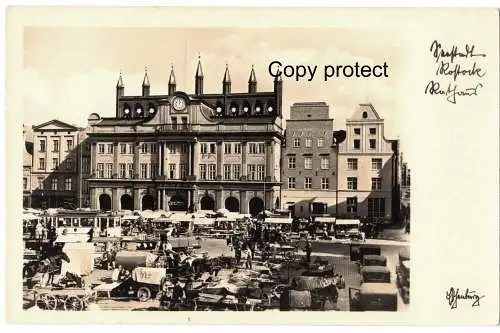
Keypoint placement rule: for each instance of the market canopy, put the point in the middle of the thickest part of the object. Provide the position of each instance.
(320, 219)
(347, 222)
(30, 216)
(278, 220)
(203, 221)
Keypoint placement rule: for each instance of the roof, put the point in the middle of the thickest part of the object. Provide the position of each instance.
(378, 288)
(374, 257)
(62, 125)
(119, 122)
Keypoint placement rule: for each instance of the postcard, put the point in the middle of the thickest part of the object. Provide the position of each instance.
(263, 162)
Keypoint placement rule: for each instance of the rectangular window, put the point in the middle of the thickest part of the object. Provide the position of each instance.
(68, 164)
(110, 148)
(144, 148)
(69, 145)
(251, 172)
(55, 163)
(352, 163)
(100, 148)
(68, 184)
(203, 171)
(260, 172)
(109, 170)
(100, 170)
(296, 142)
(211, 171)
(376, 184)
(54, 184)
(172, 174)
(237, 148)
(291, 182)
(376, 207)
(154, 148)
(376, 164)
(123, 148)
(307, 183)
(131, 148)
(321, 142)
(212, 148)
(174, 123)
(42, 146)
(182, 170)
(308, 142)
(144, 170)
(85, 187)
(352, 205)
(236, 171)
(86, 164)
(25, 183)
(373, 143)
(291, 162)
(154, 170)
(357, 144)
(227, 171)
(227, 148)
(55, 146)
(325, 183)
(308, 163)
(325, 162)
(130, 170)
(252, 148)
(184, 121)
(204, 148)
(184, 149)
(261, 148)
(373, 131)
(123, 170)
(172, 149)
(41, 164)
(40, 183)
(352, 183)
(357, 131)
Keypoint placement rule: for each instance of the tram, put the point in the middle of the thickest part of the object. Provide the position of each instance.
(77, 224)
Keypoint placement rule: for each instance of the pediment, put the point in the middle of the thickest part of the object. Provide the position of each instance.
(55, 125)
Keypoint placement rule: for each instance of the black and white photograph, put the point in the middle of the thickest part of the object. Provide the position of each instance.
(195, 168)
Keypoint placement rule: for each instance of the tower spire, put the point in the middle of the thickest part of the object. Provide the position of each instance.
(145, 82)
(119, 84)
(198, 79)
(252, 82)
(226, 82)
(171, 81)
(227, 77)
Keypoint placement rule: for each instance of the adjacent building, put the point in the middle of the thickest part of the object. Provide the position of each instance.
(27, 165)
(181, 151)
(359, 177)
(309, 159)
(368, 168)
(54, 175)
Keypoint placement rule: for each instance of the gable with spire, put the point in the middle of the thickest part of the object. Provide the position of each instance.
(365, 112)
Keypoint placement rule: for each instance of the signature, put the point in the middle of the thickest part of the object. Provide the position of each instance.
(434, 88)
(454, 295)
(438, 52)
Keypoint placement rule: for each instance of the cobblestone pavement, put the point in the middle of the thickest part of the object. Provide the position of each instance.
(336, 254)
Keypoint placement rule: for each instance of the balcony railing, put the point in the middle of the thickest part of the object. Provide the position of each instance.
(175, 128)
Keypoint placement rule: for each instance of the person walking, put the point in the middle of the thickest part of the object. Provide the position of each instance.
(248, 262)
(237, 255)
(308, 251)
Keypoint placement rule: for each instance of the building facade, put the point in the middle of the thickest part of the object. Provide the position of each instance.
(182, 151)
(368, 168)
(54, 175)
(27, 165)
(309, 159)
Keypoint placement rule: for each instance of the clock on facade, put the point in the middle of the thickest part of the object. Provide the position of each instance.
(179, 103)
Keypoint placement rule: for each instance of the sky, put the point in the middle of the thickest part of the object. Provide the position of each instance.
(71, 72)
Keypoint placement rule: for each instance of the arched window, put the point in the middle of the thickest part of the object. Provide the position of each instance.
(139, 112)
(233, 108)
(126, 110)
(219, 109)
(246, 108)
(270, 107)
(151, 109)
(258, 108)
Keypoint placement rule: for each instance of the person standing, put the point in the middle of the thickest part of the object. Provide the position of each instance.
(308, 251)
(248, 261)
(39, 231)
(237, 255)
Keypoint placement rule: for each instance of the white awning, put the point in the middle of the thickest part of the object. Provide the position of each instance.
(30, 216)
(130, 217)
(278, 220)
(325, 219)
(203, 221)
(226, 219)
(347, 222)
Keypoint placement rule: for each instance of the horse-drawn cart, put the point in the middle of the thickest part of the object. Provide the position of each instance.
(72, 299)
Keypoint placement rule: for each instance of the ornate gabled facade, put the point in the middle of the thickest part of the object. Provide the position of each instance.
(183, 151)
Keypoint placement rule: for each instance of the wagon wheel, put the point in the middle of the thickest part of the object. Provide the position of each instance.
(143, 294)
(73, 303)
(50, 302)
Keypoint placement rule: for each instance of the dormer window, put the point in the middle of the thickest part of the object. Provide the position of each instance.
(270, 109)
(219, 109)
(126, 111)
(257, 109)
(151, 109)
(233, 109)
(245, 109)
(139, 110)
